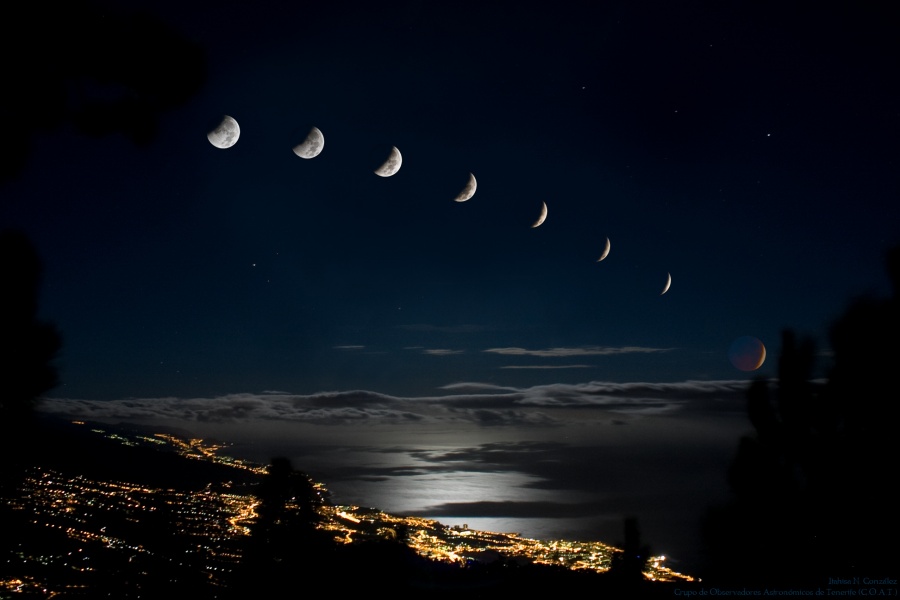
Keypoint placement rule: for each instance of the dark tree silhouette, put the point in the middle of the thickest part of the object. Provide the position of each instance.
(93, 67)
(287, 510)
(99, 70)
(28, 346)
(811, 485)
(285, 548)
(628, 566)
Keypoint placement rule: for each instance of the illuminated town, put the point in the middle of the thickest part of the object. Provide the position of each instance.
(205, 529)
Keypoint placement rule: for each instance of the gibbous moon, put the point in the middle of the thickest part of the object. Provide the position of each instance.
(225, 134)
(391, 165)
(312, 145)
(605, 252)
(467, 191)
(747, 353)
(543, 216)
(668, 284)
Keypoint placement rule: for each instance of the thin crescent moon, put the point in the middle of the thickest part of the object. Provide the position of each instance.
(543, 216)
(668, 284)
(467, 191)
(391, 165)
(225, 134)
(605, 251)
(762, 358)
(312, 146)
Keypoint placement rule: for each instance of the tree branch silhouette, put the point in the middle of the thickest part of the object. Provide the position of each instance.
(28, 345)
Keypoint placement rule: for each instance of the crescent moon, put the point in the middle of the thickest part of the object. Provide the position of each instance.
(543, 216)
(668, 284)
(225, 134)
(391, 165)
(605, 252)
(467, 191)
(312, 146)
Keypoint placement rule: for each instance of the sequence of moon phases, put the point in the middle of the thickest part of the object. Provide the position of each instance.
(468, 191)
(312, 146)
(542, 217)
(747, 353)
(225, 134)
(668, 284)
(605, 251)
(391, 165)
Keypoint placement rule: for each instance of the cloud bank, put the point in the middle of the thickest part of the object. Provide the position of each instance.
(580, 351)
(478, 403)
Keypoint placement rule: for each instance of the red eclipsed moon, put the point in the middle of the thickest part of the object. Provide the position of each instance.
(747, 353)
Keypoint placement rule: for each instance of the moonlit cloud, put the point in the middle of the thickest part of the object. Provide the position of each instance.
(441, 351)
(547, 367)
(324, 409)
(477, 403)
(475, 386)
(349, 347)
(426, 328)
(505, 418)
(581, 351)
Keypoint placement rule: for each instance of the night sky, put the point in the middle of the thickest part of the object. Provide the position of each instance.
(448, 358)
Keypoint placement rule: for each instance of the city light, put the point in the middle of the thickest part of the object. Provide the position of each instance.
(219, 516)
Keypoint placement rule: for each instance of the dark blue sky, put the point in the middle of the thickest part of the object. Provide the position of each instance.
(749, 149)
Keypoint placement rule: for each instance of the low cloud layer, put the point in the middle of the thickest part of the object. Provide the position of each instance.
(477, 403)
(547, 367)
(579, 351)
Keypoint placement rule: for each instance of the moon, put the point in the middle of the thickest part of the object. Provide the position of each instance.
(391, 165)
(605, 252)
(467, 191)
(312, 146)
(543, 216)
(747, 353)
(668, 284)
(225, 134)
